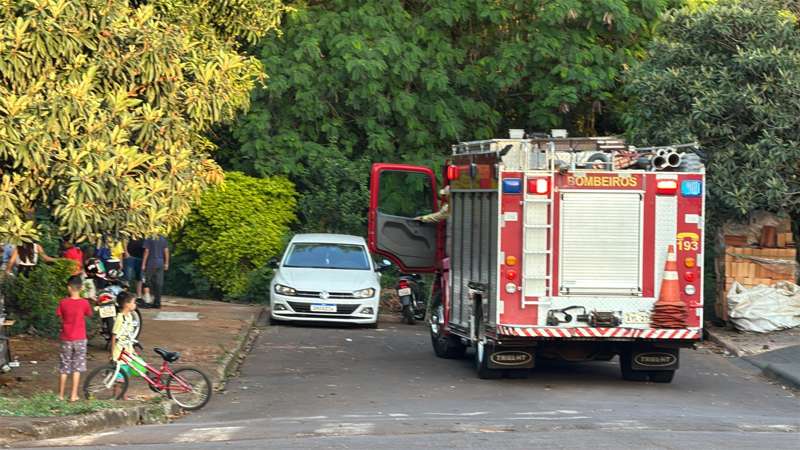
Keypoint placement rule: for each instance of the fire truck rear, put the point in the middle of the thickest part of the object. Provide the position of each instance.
(552, 248)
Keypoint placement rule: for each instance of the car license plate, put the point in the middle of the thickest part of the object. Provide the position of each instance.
(107, 311)
(323, 308)
(403, 292)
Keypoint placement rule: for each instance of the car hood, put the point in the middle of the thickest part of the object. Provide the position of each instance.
(331, 280)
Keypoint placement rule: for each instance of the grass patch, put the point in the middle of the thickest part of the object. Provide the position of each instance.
(48, 405)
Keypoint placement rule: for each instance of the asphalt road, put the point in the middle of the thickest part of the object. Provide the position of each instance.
(323, 387)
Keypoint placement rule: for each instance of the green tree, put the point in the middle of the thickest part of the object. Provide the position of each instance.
(354, 82)
(727, 75)
(235, 229)
(104, 105)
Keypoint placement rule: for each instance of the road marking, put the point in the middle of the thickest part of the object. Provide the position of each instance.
(345, 429)
(547, 413)
(280, 419)
(479, 413)
(88, 439)
(478, 428)
(398, 415)
(212, 434)
(547, 418)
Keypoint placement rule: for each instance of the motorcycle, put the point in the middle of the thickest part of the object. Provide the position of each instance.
(107, 286)
(410, 289)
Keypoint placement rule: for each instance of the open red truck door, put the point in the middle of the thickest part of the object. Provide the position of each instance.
(398, 194)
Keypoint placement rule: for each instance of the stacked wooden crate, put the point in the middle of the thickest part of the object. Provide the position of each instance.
(751, 266)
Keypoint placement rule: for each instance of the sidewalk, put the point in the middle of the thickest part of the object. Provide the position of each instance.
(210, 341)
(777, 354)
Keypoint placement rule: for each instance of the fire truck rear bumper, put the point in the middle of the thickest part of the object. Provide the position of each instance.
(616, 333)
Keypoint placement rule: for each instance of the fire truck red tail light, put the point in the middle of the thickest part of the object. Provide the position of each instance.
(452, 172)
(511, 274)
(539, 186)
(689, 276)
(667, 187)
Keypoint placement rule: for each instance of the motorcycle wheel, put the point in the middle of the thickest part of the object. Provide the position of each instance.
(421, 311)
(137, 323)
(408, 314)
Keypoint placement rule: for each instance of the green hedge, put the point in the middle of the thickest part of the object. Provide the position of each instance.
(232, 233)
(32, 300)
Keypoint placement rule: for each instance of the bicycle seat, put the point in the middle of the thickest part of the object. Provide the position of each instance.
(167, 355)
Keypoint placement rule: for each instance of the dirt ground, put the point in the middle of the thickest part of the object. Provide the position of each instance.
(202, 343)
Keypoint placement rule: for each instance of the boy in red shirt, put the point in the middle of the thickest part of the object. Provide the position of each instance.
(72, 310)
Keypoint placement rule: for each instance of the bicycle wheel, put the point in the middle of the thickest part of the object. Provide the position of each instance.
(99, 386)
(190, 388)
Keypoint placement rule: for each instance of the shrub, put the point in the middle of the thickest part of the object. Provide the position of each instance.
(32, 300)
(236, 229)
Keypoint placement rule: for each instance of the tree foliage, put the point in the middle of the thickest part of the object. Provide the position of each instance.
(236, 228)
(354, 82)
(104, 105)
(727, 75)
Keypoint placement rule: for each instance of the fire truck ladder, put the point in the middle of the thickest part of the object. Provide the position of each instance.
(537, 229)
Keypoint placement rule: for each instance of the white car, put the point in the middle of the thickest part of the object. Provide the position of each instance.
(326, 278)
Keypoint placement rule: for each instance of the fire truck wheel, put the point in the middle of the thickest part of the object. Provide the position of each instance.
(447, 346)
(628, 374)
(482, 366)
(662, 376)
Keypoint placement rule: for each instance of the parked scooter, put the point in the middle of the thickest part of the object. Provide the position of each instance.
(107, 287)
(410, 289)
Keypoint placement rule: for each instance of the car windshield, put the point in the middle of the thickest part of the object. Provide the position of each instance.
(328, 256)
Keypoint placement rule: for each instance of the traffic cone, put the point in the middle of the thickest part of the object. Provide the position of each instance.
(669, 311)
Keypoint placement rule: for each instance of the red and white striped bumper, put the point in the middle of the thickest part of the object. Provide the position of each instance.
(586, 332)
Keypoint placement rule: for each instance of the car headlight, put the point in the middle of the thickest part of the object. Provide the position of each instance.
(364, 293)
(284, 290)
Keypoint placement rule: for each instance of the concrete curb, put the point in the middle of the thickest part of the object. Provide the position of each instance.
(145, 414)
(778, 372)
(781, 373)
(230, 361)
(91, 423)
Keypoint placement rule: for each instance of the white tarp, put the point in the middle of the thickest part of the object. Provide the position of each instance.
(764, 308)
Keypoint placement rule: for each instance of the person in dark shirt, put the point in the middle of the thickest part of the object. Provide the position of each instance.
(72, 311)
(134, 252)
(154, 263)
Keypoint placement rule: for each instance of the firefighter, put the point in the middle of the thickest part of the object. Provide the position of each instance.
(444, 210)
(438, 216)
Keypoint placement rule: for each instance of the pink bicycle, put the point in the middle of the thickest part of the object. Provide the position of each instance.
(189, 387)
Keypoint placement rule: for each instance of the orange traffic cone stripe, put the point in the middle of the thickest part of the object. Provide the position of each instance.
(669, 311)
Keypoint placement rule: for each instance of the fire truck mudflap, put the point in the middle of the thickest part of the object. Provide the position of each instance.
(570, 248)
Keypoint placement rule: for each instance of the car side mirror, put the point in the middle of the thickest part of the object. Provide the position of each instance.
(273, 263)
(383, 265)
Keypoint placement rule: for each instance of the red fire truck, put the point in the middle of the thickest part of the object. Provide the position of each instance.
(552, 248)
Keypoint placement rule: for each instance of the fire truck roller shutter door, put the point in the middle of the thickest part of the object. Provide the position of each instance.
(601, 243)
